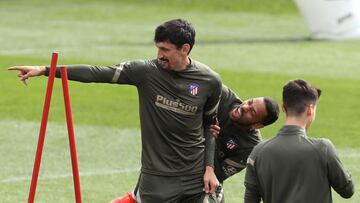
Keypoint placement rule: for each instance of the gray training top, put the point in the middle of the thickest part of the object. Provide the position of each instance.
(292, 167)
(176, 108)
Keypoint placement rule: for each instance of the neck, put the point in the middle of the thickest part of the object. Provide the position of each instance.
(183, 65)
(301, 122)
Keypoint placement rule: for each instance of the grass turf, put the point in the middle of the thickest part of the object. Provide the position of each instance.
(109, 160)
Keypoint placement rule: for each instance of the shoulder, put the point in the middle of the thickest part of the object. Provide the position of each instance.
(135, 72)
(256, 152)
(324, 147)
(321, 142)
(229, 95)
(225, 90)
(138, 68)
(212, 78)
(261, 147)
(249, 133)
(205, 69)
(326, 142)
(140, 63)
(328, 145)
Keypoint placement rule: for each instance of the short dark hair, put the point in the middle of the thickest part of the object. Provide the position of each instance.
(177, 31)
(272, 109)
(297, 95)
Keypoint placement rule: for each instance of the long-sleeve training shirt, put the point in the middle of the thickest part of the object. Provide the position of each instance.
(292, 167)
(176, 110)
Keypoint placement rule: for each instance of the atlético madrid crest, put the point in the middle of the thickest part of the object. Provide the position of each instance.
(231, 144)
(194, 89)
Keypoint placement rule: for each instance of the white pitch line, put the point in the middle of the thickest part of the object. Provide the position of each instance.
(16, 179)
(348, 153)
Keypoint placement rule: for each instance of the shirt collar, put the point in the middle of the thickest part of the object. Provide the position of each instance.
(292, 130)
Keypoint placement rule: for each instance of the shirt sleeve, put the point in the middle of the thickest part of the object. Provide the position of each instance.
(339, 178)
(252, 192)
(229, 167)
(210, 112)
(132, 72)
(86, 73)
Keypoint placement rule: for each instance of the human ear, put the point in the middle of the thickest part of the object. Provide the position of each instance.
(185, 48)
(310, 110)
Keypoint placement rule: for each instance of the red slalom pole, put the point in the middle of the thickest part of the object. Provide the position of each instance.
(70, 126)
(42, 132)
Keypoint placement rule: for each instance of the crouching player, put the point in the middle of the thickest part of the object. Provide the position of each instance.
(237, 133)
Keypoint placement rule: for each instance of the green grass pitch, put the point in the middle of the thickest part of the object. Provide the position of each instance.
(256, 46)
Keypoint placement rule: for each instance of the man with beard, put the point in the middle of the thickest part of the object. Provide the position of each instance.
(238, 132)
(178, 99)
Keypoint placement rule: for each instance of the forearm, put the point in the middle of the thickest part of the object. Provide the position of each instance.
(210, 181)
(339, 178)
(348, 190)
(86, 73)
(209, 148)
(252, 195)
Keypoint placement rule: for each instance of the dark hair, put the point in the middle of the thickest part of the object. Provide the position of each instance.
(177, 31)
(272, 109)
(297, 95)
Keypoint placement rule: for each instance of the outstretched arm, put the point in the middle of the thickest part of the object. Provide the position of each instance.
(81, 73)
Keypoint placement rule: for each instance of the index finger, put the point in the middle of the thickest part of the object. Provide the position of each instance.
(15, 68)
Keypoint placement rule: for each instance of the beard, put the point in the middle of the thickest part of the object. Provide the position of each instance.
(164, 63)
(237, 117)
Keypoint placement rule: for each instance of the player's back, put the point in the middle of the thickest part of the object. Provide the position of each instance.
(293, 168)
